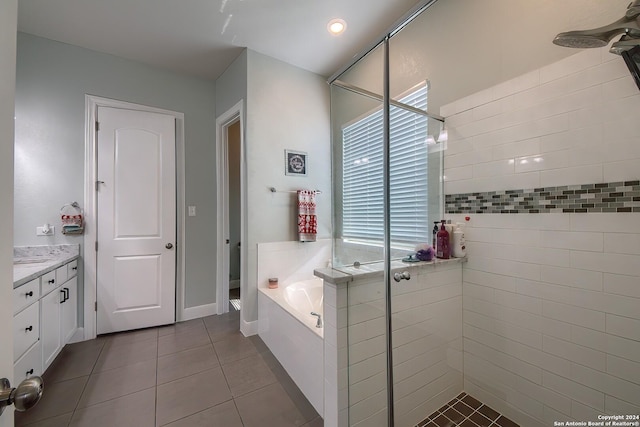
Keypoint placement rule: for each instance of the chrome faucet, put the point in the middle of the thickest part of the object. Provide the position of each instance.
(319, 322)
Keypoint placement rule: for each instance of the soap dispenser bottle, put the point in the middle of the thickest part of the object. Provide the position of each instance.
(435, 235)
(458, 244)
(443, 242)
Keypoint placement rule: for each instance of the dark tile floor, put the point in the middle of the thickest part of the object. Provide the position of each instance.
(202, 372)
(465, 411)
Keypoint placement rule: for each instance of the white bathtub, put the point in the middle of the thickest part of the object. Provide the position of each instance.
(289, 330)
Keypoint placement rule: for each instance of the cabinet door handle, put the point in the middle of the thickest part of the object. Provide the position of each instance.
(29, 294)
(52, 281)
(74, 268)
(28, 328)
(30, 372)
(64, 296)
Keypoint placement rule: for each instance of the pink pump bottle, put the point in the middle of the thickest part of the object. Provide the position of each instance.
(443, 250)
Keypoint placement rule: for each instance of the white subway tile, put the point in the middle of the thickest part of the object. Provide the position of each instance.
(620, 171)
(606, 262)
(583, 241)
(623, 368)
(524, 336)
(512, 150)
(584, 412)
(613, 405)
(465, 159)
(622, 347)
(558, 257)
(518, 301)
(489, 109)
(604, 222)
(491, 280)
(570, 351)
(619, 88)
(575, 315)
(514, 365)
(621, 305)
(574, 390)
(517, 84)
(457, 174)
(590, 135)
(621, 285)
(570, 65)
(542, 394)
(624, 326)
(571, 176)
(622, 243)
(589, 338)
(583, 279)
(608, 384)
(494, 168)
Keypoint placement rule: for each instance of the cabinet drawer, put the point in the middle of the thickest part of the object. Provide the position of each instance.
(48, 283)
(25, 295)
(72, 269)
(26, 330)
(61, 274)
(29, 364)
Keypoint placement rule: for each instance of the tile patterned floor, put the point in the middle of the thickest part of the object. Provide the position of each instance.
(203, 372)
(465, 411)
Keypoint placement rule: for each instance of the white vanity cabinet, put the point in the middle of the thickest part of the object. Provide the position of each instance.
(45, 319)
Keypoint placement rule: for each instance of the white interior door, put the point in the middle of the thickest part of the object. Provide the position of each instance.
(136, 262)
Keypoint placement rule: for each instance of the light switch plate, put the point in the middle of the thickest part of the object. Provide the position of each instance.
(40, 231)
(192, 211)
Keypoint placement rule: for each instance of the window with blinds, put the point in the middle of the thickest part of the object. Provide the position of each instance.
(362, 212)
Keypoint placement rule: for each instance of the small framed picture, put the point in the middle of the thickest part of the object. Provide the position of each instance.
(295, 163)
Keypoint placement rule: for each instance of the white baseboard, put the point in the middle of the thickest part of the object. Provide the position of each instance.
(248, 328)
(199, 311)
(77, 336)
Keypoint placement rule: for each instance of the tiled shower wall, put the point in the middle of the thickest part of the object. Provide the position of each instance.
(551, 300)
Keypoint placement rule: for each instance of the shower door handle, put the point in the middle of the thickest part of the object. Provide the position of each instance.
(400, 276)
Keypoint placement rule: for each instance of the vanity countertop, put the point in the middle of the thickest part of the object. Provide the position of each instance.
(30, 262)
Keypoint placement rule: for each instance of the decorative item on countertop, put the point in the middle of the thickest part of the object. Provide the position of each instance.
(435, 235)
(425, 252)
(443, 250)
(410, 258)
(72, 219)
(307, 220)
(273, 282)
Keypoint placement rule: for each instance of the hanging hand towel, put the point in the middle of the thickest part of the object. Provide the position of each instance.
(307, 221)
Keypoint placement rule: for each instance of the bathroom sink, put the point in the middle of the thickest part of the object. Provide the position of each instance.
(32, 260)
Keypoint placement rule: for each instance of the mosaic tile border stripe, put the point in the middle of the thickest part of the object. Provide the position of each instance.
(623, 196)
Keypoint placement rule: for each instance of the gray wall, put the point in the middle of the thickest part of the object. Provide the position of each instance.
(287, 108)
(8, 22)
(52, 80)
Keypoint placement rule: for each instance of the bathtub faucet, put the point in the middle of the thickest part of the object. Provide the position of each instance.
(319, 322)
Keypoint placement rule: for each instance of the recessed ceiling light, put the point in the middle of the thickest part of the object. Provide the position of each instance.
(336, 26)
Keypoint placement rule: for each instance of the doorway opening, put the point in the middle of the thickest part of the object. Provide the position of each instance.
(233, 209)
(231, 276)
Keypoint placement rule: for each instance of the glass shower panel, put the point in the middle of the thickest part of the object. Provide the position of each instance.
(426, 303)
(357, 126)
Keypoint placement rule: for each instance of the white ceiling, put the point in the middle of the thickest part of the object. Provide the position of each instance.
(202, 37)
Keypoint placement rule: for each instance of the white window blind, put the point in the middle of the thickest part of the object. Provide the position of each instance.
(362, 175)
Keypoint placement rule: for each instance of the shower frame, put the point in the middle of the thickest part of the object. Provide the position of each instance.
(387, 102)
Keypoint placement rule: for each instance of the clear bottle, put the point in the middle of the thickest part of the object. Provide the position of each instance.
(443, 250)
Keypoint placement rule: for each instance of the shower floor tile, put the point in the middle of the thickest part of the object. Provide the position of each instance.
(465, 411)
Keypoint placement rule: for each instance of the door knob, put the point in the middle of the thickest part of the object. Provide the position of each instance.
(25, 396)
(399, 276)
(168, 245)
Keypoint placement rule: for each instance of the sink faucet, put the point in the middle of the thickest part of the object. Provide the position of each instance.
(319, 322)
